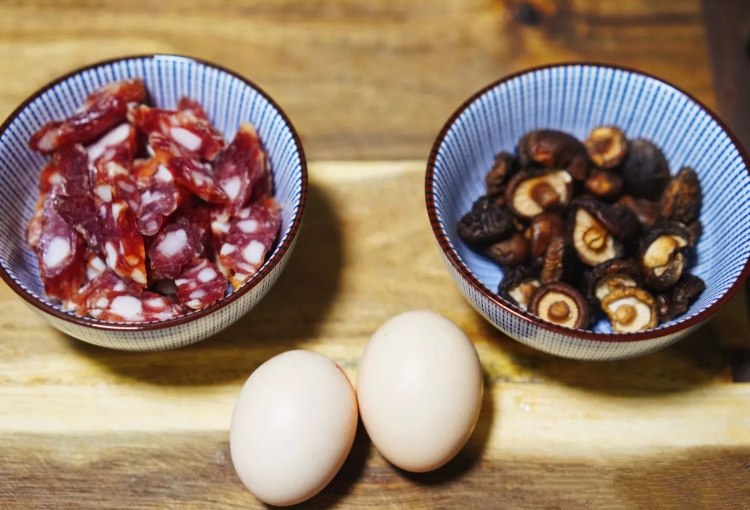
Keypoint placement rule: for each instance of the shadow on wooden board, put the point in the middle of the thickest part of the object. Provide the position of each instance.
(692, 362)
(290, 313)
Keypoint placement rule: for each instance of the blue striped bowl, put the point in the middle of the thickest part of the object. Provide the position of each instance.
(229, 99)
(575, 98)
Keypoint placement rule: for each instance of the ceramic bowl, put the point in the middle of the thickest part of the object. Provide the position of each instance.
(575, 98)
(229, 100)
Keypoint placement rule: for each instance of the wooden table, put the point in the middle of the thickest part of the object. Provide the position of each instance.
(368, 84)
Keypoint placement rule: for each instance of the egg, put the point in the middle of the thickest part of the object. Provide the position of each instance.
(293, 426)
(419, 389)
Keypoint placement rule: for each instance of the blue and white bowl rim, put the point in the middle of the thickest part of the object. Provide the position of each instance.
(276, 257)
(453, 257)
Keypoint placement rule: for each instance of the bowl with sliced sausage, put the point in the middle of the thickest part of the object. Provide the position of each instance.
(152, 200)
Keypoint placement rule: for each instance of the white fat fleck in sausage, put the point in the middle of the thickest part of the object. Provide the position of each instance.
(163, 174)
(117, 208)
(111, 252)
(174, 242)
(197, 294)
(114, 137)
(187, 139)
(58, 250)
(127, 307)
(253, 252)
(248, 226)
(206, 275)
(138, 276)
(226, 249)
(104, 191)
(231, 186)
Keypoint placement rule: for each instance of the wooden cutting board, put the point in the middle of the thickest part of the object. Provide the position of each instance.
(82, 426)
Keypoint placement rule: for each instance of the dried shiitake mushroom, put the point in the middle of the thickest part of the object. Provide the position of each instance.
(510, 252)
(678, 299)
(630, 309)
(592, 240)
(645, 170)
(604, 184)
(604, 278)
(553, 265)
(499, 174)
(486, 223)
(518, 286)
(647, 211)
(549, 148)
(681, 199)
(606, 146)
(561, 304)
(532, 193)
(544, 227)
(663, 255)
(565, 218)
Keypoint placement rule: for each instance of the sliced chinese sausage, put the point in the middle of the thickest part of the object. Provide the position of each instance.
(174, 247)
(103, 109)
(251, 235)
(160, 197)
(186, 104)
(75, 202)
(61, 250)
(48, 177)
(529, 194)
(263, 186)
(199, 216)
(200, 285)
(240, 166)
(134, 307)
(118, 144)
(103, 283)
(123, 245)
(192, 132)
(187, 169)
(36, 222)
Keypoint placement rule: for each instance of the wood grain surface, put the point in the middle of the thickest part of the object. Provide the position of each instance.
(360, 79)
(85, 427)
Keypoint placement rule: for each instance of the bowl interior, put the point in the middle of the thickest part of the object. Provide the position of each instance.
(576, 98)
(227, 99)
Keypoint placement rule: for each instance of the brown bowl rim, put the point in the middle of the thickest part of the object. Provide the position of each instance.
(458, 264)
(270, 264)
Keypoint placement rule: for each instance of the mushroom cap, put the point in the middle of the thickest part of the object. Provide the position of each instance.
(630, 309)
(662, 256)
(600, 279)
(681, 199)
(561, 304)
(518, 285)
(606, 146)
(645, 170)
(531, 193)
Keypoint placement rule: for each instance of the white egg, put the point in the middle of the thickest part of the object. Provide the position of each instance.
(293, 426)
(419, 389)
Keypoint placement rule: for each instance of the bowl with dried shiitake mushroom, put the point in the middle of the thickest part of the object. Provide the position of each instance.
(590, 211)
